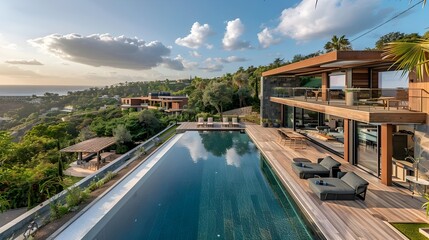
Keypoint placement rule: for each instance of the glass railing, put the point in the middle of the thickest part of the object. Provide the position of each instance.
(368, 99)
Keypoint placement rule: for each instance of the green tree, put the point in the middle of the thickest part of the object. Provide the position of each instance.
(121, 134)
(395, 37)
(217, 94)
(338, 44)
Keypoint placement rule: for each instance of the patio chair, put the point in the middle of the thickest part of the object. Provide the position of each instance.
(283, 137)
(210, 122)
(347, 186)
(235, 122)
(326, 167)
(225, 122)
(200, 122)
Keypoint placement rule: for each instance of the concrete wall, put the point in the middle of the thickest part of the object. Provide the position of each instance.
(269, 109)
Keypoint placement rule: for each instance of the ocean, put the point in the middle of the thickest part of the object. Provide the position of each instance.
(39, 90)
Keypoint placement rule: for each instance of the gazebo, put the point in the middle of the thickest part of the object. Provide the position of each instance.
(94, 145)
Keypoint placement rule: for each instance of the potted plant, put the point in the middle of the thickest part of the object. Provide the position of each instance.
(351, 95)
(276, 123)
(264, 122)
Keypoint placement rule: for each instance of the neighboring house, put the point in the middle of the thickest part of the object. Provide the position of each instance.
(351, 114)
(68, 109)
(159, 100)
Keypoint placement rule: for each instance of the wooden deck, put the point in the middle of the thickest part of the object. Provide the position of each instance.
(340, 219)
(334, 219)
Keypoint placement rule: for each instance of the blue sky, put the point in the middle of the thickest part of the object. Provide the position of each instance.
(102, 42)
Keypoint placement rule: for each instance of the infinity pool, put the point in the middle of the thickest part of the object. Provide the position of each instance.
(203, 185)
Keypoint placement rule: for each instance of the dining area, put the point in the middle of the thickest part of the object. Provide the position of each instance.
(291, 138)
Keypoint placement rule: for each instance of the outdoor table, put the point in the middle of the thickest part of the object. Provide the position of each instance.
(316, 93)
(387, 100)
(412, 180)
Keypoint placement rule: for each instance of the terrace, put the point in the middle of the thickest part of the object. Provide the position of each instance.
(371, 105)
(358, 219)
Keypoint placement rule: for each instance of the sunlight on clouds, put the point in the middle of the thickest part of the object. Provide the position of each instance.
(305, 22)
(105, 50)
(231, 39)
(196, 37)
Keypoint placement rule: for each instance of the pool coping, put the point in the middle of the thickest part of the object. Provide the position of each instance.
(307, 216)
(60, 230)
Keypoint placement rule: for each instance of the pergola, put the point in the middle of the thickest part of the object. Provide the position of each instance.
(94, 145)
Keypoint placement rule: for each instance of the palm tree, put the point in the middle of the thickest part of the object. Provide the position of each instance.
(337, 44)
(410, 56)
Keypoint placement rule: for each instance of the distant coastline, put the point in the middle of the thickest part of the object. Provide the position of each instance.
(38, 90)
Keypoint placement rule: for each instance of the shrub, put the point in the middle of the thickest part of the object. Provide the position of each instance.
(75, 196)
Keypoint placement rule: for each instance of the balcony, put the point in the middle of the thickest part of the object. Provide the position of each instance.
(372, 105)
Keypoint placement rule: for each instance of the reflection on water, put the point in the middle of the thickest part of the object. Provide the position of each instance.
(220, 144)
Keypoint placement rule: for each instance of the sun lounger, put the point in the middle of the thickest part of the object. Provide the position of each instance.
(347, 187)
(326, 167)
(283, 137)
(225, 122)
(200, 122)
(235, 122)
(210, 122)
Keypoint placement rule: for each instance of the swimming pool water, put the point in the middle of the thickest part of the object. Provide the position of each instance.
(208, 185)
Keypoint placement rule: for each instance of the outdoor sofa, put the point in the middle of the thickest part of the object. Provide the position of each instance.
(326, 167)
(347, 186)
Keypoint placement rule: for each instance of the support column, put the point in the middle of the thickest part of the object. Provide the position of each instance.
(325, 86)
(346, 130)
(282, 115)
(386, 154)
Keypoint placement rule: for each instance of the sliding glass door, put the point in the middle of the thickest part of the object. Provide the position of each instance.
(367, 147)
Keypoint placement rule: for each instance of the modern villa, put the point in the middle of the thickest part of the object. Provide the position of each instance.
(158, 100)
(363, 111)
(246, 182)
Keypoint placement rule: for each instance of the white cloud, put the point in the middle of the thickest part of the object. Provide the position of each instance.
(105, 50)
(179, 63)
(267, 39)
(231, 39)
(212, 65)
(216, 64)
(175, 64)
(304, 21)
(12, 71)
(194, 54)
(196, 37)
(24, 62)
(6, 44)
(231, 59)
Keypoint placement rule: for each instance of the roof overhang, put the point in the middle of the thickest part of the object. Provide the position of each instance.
(332, 61)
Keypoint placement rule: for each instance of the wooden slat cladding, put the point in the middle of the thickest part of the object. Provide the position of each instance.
(360, 78)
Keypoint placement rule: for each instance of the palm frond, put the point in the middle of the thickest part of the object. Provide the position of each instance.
(410, 56)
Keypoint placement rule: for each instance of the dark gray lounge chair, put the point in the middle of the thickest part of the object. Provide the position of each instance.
(326, 167)
(347, 187)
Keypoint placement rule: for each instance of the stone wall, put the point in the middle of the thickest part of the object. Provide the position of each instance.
(269, 109)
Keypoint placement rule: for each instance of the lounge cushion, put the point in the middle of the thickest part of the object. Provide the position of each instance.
(308, 170)
(354, 180)
(328, 162)
(333, 189)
